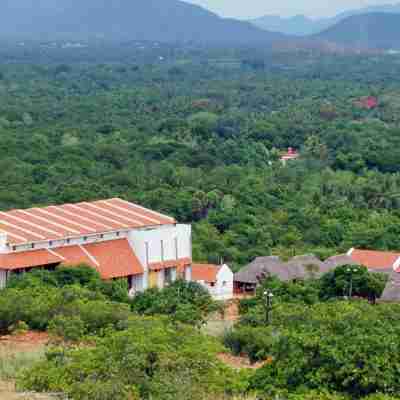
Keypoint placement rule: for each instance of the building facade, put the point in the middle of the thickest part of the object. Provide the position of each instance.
(117, 238)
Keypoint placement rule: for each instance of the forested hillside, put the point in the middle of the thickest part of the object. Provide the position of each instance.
(166, 21)
(198, 136)
(372, 30)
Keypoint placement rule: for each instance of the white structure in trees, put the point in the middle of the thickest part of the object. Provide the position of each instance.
(218, 280)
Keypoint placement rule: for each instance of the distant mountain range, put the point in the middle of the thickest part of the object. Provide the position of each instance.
(301, 25)
(366, 31)
(156, 20)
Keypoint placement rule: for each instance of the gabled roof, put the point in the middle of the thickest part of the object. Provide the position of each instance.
(375, 259)
(115, 258)
(205, 272)
(74, 220)
(112, 258)
(28, 259)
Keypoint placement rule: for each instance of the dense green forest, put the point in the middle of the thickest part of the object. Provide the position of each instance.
(197, 133)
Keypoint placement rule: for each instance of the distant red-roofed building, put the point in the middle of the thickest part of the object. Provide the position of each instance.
(117, 238)
(367, 103)
(376, 260)
(218, 280)
(290, 155)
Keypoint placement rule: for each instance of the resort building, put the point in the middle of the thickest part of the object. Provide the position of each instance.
(117, 238)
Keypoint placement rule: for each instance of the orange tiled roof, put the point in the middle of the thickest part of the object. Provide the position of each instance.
(74, 220)
(74, 255)
(374, 259)
(29, 259)
(205, 272)
(114, 259)
(180, 263)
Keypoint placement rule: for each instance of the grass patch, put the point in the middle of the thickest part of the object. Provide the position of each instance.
(12, 362)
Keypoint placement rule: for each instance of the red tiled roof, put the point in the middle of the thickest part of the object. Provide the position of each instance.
(29, 259)
(180, 263)
(205, 272)
(114, 259)
(74, 220)
(74, 255)
(374, 259)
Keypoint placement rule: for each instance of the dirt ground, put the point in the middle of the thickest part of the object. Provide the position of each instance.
(240, 362)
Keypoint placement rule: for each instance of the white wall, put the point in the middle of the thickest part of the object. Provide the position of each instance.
(224, 285)
(164, 243)
(3, 279)
(3, 242)
(223, 288)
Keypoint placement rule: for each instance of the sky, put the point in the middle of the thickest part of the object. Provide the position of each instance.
(245, 9)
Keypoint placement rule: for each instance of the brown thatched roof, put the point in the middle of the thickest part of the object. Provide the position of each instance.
(392, 289)
(260, 266)
(300, 267)
(339, 261)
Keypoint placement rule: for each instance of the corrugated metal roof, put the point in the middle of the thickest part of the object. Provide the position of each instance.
(74, 220)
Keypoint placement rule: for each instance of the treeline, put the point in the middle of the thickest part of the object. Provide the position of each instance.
(199, 137)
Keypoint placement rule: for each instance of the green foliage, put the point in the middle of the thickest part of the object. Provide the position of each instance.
(152, 359)
(362, 283)
(186, 302)
(336, 346)
(72, 307)
(300, 291)
(81, 275)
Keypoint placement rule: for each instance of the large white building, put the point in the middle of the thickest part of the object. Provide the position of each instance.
(117, 238)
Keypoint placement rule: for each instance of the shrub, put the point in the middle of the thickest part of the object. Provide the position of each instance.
(152, 359)
(186, 302)
(69, 328)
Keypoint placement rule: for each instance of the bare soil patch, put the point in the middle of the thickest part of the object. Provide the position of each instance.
(240, 362)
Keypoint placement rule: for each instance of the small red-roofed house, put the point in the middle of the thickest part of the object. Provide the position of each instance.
(218, 280)
(290, 155)
(368, 103)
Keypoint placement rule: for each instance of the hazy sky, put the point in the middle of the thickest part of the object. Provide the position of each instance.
(255, 8)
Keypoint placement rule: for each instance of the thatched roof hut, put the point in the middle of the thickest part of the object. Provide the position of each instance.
(339, 261)
(251, 273)
(392, 289)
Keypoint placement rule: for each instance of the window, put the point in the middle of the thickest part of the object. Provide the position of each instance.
(68, 241)
(102, 236)
(212, 284)
(118, 234)
(33, 245)
(85, 238)
(51, 243)
(14, 248)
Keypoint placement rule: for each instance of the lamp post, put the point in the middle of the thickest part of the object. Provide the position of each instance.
(350, 271)
(268, 295)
